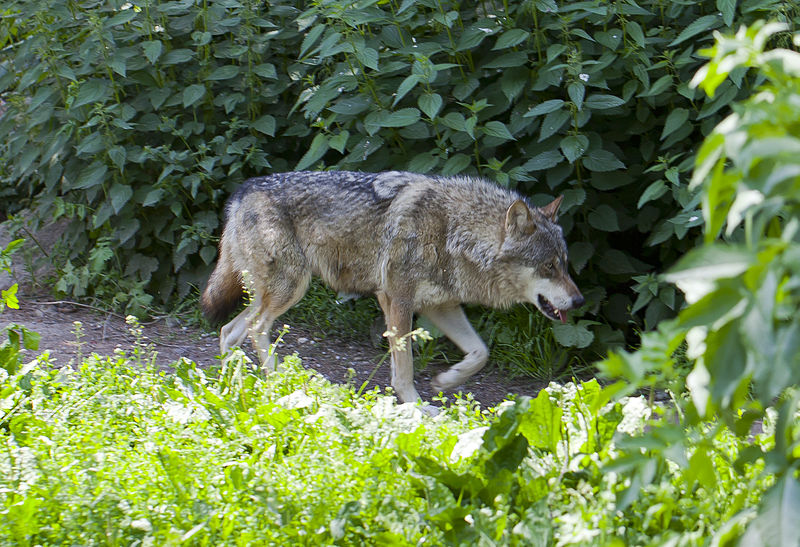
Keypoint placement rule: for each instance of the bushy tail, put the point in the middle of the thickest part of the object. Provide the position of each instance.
(223, 292)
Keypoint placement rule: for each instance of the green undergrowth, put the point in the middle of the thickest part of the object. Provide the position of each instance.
(112, 451)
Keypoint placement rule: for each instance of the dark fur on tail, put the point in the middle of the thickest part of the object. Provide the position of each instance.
(223, 293)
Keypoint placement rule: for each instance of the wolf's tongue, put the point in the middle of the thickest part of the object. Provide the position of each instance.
(562, 315)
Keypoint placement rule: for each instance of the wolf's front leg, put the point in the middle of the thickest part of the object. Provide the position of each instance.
(398, 323)
(453, 322)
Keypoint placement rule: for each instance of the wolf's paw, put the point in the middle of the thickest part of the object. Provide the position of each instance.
(447, 380)
(430, 410)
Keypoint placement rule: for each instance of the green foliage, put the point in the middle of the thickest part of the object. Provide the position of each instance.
(116, 452)
(740, 327)
(136, 120)
(8, 297)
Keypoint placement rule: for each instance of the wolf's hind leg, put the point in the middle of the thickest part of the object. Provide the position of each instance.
(233, 333)
(274, 303)
(453, 322)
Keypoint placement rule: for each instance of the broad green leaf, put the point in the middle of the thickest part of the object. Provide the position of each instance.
(601, 160)
(676, 118)
(728, 10)
(265, 124)
(659, 86)
(224, 72)
(310, 39)
(604, 218)
(574, 146)
(266, 70)
(118, 156)
(430, 104)
(314, 153)
(635, 31)
(552, 123)
(698, 26)
(498, 129)
(153, 197)
(177, 56)
(508, 60)
(93, 175)
(192, 94)
(368, 57)
(152, 50)
(543, 161)
(600, 102)
(574, 336)
(511, 38)
(120, 195)
(654, 191)
(92, 91)
(545, 107)
(339, 142)
(405, 86)
(456, 164)
(576, 92)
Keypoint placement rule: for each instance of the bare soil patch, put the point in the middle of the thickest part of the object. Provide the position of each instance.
(341, 360)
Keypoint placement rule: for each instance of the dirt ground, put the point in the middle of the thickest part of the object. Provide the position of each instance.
(335, 358)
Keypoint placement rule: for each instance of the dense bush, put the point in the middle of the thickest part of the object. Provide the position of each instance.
(135, 120)
(740, 328)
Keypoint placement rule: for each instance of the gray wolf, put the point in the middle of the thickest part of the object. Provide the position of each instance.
(421, 244)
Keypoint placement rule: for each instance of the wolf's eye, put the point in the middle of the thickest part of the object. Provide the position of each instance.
(551, 268)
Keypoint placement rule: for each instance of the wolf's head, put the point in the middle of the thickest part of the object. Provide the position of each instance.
(534, 244)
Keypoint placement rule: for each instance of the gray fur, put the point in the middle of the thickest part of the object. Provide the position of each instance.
(420, 243)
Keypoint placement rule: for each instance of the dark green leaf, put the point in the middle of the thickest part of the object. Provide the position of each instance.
(601, 160)
(498, 129)
(604, 218)
(698, 26)
(511, 38)
(92, 91)
(430, 104)
(224, 72)
(545, 107)
(574, 146)
(152, 50)
(552, 123)
(315, 152)
(601, 102)
(192, 94)
(91, 176)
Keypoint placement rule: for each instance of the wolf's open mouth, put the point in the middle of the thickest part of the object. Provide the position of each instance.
(551, 311)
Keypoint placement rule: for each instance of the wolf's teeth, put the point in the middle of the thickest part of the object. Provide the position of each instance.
(562, 315)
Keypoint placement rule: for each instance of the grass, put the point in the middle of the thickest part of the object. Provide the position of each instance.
(112, 451)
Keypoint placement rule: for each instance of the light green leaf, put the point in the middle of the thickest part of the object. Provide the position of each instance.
(455, 164)
(576, 92)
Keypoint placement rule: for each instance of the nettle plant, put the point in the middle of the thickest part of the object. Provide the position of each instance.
(134, 120)
(740, 327)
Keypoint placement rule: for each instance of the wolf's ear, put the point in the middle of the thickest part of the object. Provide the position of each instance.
(519, 218)
(551, 209)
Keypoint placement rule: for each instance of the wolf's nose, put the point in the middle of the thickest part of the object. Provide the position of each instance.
(578, 301)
